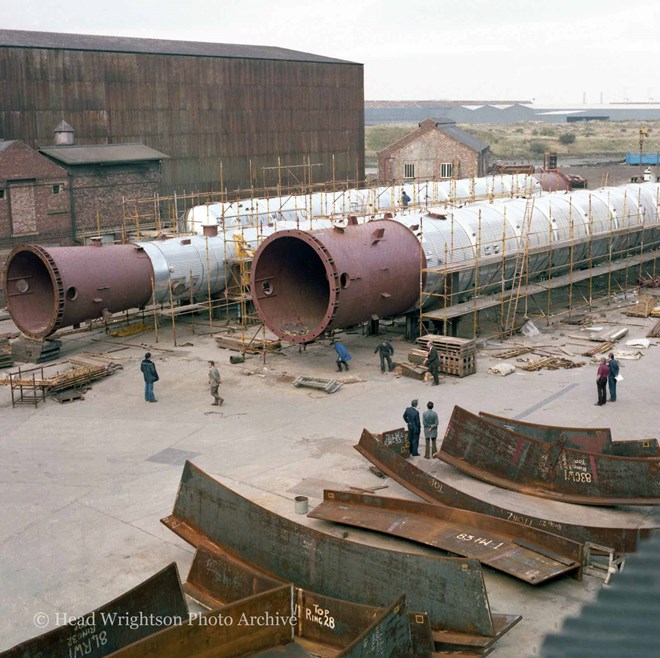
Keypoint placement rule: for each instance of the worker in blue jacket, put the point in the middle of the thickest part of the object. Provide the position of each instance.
(343, 357)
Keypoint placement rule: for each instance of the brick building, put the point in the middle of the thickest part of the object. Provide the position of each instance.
(64, 193)
(436, 150)
(34, 197)
(101, 177)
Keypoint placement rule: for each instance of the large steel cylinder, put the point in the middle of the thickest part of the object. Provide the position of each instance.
(305, 283)
(50, 288)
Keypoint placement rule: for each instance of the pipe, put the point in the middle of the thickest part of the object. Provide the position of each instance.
(50, 288)
(336, 277)
(368, 201)
(306, 283)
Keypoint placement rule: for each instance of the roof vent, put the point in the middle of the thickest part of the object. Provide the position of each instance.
(63, 134)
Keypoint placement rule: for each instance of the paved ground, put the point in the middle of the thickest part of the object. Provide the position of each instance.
(84, 485)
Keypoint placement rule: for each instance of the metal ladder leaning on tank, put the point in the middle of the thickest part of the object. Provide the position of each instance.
(520, 270)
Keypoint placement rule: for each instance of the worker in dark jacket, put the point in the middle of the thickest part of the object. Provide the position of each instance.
(612, 377)
(432, 362)
(385, 351)
(148, 369)
(411, 416)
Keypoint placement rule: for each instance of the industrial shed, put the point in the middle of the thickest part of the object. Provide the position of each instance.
(230, 117)
(437, 149)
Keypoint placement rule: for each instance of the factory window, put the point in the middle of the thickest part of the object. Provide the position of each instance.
(446, 170)
(409, 170)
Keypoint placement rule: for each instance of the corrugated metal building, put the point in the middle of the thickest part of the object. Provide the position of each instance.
(239, 115)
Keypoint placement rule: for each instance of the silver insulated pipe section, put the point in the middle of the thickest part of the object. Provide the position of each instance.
(362, 202)
(480, 239)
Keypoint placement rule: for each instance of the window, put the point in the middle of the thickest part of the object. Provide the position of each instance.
(409, 170)
(2, 194)
(57, 188)
(446, 170)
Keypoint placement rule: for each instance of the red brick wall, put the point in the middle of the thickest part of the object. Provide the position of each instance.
(29, 209)
(427, 153)
(98, 193)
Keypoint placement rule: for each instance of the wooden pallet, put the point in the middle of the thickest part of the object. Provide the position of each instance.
(70, 395)
(458, 356)
(645, 304)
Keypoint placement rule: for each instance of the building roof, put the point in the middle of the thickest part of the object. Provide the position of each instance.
(64, 41)
(6, 143)
(446, 104)
(102, 153)
(623, 620)
(20, 162)
(445, 125)
(462, 136)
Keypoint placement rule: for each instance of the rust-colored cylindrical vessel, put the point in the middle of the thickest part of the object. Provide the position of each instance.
(305, 283)
(50, 288)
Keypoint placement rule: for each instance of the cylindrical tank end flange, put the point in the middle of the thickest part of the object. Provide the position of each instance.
(47, 288)
(307, 283)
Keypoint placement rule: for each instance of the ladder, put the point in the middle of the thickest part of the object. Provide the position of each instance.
(520, 270)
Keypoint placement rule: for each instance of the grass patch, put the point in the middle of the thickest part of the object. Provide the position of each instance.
(526, 141)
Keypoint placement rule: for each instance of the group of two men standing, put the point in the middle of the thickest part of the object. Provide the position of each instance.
(607, 376)
(430, 421)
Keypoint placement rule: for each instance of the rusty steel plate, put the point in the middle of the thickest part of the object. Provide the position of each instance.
(531, 555)
(451, 590)
(217, 577)
(494, 454)
(434, 490)
(243, 628)
(596, 440)
(157, 602)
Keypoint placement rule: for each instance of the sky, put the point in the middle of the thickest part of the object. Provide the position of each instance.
(563, 52)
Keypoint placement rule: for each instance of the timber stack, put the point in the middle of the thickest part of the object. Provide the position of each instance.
(458, 356)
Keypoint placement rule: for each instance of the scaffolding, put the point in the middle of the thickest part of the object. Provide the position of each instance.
(557, 289)
(233, 311)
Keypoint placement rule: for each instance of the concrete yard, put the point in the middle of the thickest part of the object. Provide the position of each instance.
(85, 484)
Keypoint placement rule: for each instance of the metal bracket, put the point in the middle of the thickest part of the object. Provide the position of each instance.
(615, 563)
